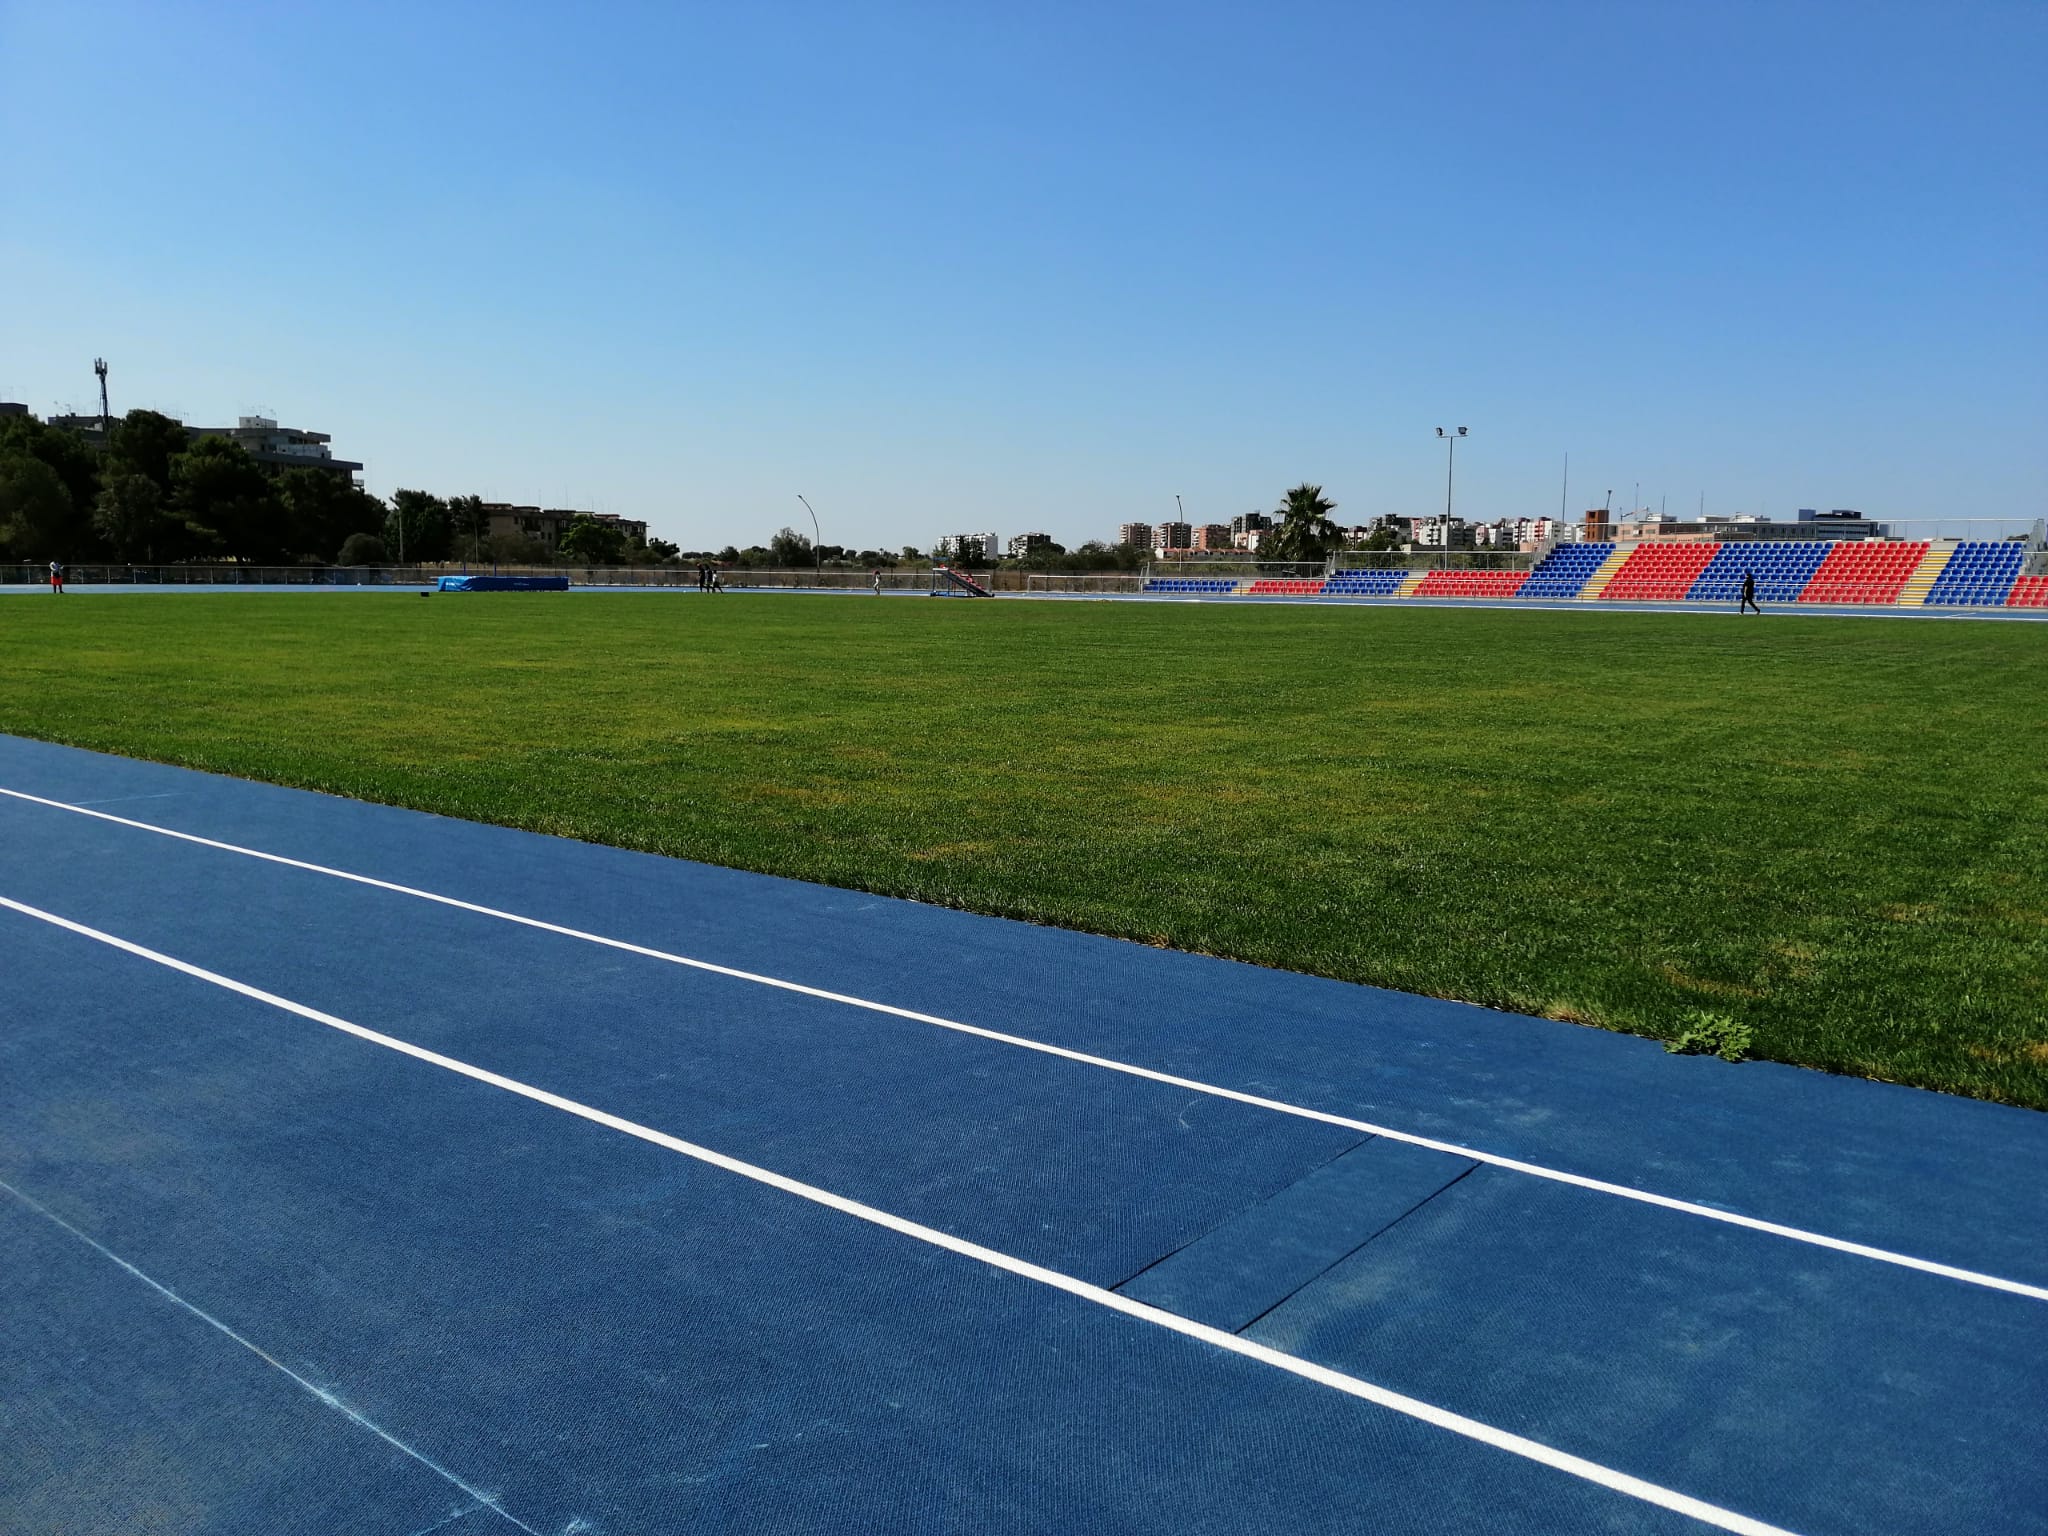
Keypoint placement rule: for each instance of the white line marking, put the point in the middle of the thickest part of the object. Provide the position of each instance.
(442, 1524)
(483, 1500)
(1107, 1063)
(1353, 1386)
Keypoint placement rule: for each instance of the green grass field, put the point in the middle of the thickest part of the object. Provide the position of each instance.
(1834, 831)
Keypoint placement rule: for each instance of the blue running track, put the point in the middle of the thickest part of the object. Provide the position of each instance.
(566, 1190)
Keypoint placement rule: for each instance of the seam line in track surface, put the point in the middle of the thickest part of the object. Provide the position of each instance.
(1359, 1247)
(1352, 1386)
(1131, 1069)
(1236, 1215)
(483, 1500)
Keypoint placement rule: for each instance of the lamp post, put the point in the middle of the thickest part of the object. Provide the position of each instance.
(1450, 467)
(817, 538)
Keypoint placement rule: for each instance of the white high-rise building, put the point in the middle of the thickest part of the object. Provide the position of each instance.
(970, 546)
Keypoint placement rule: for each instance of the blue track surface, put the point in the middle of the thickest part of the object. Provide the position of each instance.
(263, 1275)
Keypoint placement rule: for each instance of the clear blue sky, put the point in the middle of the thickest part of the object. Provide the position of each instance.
(1042, 266)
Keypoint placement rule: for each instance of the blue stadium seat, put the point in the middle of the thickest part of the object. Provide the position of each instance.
(1565, 570)
(1782, 571)
(1979, 574)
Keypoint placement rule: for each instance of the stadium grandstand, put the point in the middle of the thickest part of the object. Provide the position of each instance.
(1866, 572)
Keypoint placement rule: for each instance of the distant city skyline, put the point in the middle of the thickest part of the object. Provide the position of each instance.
(1049, 269)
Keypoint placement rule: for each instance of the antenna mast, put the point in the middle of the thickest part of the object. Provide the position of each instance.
(99, 368)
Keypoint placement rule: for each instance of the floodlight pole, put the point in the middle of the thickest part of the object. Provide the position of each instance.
(817, 538)
(1450, 468)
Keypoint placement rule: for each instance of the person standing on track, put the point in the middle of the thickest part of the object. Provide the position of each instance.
(1748, 603)
(877, 573)
(56, 578)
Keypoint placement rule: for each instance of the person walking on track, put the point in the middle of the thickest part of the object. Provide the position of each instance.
(877, 573)
(57, 578)
(1748, 603)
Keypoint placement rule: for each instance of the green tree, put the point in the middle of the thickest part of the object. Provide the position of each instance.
(586, 541)
(516, 549)
(131, 520)
(469, 524)
(791, 550)
(77, 468)
(76, 465)
(362, 549)
(662, 550)
(146, 443)
(1306, 532)
(1095, 555)
(36, 520)
(228, 503)
(416, 527)
(322, 511)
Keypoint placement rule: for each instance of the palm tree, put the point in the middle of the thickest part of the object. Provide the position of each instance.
(1306, 532)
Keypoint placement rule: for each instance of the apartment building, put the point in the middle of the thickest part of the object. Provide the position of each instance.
(260, 437)
(970, 546)
(547, 524)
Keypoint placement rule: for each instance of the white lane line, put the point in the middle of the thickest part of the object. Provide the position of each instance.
(1353, 1386)
(483, 1500)
(1107, 1063)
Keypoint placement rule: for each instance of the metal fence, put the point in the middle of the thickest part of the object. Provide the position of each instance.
(409, 576)
(1931, 530)
(1204, 568)
(1435, 560)
(231, 575)
(1100, 583)
(1223, 567)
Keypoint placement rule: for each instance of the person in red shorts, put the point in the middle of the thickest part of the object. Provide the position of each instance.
(56, 579)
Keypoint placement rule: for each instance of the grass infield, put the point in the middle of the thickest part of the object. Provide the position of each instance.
(1834, 832)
